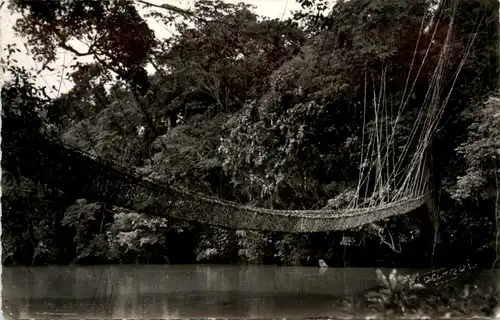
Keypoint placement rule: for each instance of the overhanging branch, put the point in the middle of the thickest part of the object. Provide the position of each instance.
(63, 44)
(184, 12)
(168, 7)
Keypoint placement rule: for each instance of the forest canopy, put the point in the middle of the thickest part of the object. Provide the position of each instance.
(267, 112)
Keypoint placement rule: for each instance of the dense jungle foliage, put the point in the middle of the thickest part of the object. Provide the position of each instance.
(267, 112)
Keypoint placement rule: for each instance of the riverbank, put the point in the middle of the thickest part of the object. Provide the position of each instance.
(471, 293)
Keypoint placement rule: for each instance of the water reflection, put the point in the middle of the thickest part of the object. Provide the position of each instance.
(176, 291)
(187, 291)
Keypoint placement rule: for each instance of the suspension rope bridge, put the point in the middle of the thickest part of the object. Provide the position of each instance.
(396, 187)
(53, 163)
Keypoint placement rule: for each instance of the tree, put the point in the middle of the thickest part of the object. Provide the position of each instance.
(476, 187)
(113, 33)
(227, 59)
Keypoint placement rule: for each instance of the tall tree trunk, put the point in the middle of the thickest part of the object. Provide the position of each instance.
(496, 19)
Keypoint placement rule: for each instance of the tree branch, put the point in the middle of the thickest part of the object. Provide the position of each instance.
(64, 45)
(379, 233)
(168, 7)
(184, 12)
(391, 245)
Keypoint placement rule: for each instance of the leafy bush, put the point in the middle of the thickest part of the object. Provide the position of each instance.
(88, 220)
(395, 292)
(135, 237)
(292, 249)
(253, 246)
(217, 245)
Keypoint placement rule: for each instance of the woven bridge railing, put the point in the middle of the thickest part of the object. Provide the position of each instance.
(52, 163)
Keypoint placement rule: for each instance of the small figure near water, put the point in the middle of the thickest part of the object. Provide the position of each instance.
(322, 263)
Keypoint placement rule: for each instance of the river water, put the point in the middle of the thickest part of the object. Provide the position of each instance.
(178, 291)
